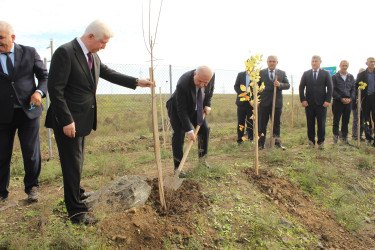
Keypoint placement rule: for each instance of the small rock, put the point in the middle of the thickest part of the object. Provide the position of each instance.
(292, 210)
(320, 245)
(279, 196)
(367, 219)
(142, 137)
(276, 202)
(285, 240)
(132, 210)
(285, 222)
(305, 239)
(342, 230)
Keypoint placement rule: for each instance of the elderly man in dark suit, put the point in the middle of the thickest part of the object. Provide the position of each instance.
(244, 109)
(20, 109)
(74, 74)
(186, 106)
(315, 92)
(368, 96)
(272, 78)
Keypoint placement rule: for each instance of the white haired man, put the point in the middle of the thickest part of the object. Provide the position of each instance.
(186, 106)
(74, 74)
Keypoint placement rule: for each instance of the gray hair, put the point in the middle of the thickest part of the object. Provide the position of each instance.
(346, 61)
(370, 58)
(99, 29)
(316, 57)
(6, 27)
(273, 57)
(205, 69)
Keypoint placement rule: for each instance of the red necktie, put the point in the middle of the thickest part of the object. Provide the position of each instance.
(90, 60)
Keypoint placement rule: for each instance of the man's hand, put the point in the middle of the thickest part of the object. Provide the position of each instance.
(70, 130)
(305, 104)
(207, 110)
(145, 83)
(276, 83)
(325, 104)
(192, 137)
(36, 99)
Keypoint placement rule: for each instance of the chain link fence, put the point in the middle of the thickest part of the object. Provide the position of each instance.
(126, 115)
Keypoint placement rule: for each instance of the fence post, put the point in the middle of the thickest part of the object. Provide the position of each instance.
(170, 78)
(48, 129)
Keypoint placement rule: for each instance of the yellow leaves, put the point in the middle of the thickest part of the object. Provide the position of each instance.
(241, 127)
(262, 134)
(242, 95)
(362, 85)
(243, 87)
(235, 164)
(262, 87)
(368, 123)
(252, 117)
(243, 138)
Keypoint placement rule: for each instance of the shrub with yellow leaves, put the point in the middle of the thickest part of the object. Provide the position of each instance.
(362, 85)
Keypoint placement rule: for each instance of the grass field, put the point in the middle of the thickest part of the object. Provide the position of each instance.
(242, 214)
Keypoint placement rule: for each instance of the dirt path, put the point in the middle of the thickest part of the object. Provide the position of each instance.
(289, 198)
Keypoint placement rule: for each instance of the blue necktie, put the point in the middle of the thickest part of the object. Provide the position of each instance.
(199, 107)
(9, 64)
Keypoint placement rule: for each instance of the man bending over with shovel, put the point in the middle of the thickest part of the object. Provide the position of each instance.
(186, 106)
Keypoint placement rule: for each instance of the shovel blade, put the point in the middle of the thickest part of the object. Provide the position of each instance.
(172, 182)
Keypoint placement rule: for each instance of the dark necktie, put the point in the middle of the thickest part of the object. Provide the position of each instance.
(314, 76)
(90, 60)
(199, 107)
(9, 64)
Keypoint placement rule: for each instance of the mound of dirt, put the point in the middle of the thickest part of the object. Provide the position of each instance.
(149, 226)
(289, 198)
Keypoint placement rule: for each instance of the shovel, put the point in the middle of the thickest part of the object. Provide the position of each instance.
(174, 182)
(271, 140)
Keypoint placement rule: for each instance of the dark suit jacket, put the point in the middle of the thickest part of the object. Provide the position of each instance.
(362, 77)
(266, 96)
(182, 102)
(240, 80)
(27, 66)
(72, 88)
(316, 92)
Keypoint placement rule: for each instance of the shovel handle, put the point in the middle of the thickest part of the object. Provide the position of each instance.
(273, 112)
(184, 157)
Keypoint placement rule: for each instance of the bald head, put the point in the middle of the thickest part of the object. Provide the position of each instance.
(202, 76)
(6, 37)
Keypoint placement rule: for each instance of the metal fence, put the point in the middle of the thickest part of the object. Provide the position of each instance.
(125, 113)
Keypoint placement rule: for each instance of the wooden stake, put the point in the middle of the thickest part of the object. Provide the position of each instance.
(272, 138)
(156, 140)
(292, 102)
(162, 117)
(359, 118)
(256, 136)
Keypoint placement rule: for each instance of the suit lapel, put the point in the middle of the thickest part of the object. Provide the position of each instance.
(96, 68)
(192, 89)
(18, 52)
(81, 58)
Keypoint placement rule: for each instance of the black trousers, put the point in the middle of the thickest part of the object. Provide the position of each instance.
(28, 134)
(265, 114)
(318, 113)
(243, 116)
(339, 110)
(71, 152)
(178, 137)
(368, 112)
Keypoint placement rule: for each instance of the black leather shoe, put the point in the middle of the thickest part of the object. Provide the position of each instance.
(86, 219)
(86, 195)
(3, 199)
(280, 146)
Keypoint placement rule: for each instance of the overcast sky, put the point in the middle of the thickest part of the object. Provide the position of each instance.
(217, 33)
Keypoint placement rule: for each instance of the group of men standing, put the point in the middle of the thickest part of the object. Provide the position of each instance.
(72, 82)
(316, 90)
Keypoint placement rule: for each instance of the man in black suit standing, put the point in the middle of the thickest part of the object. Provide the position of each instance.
(74, 74)
(368, 96)
(315, 92)
(186, 106)
(343, 96)
(20, 109)
(271, 77)
(244, 109)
